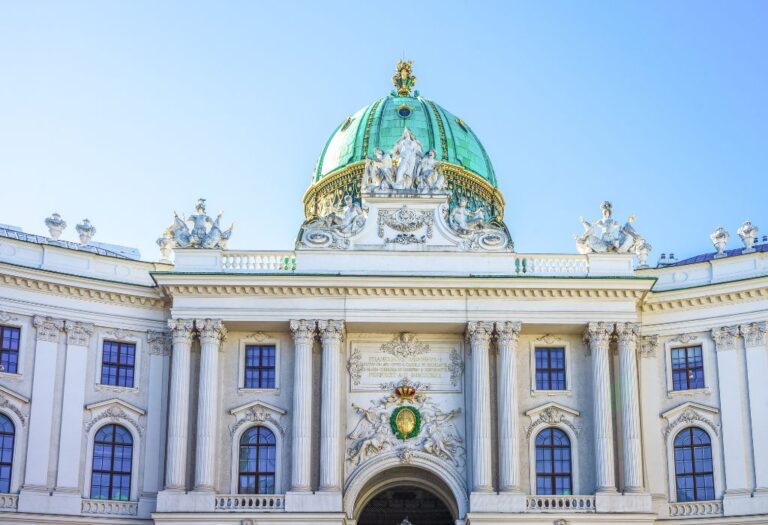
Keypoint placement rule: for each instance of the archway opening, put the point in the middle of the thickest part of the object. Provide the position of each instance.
(417, 505)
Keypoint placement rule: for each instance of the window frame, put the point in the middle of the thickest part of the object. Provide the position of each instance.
(132, 479)
(690, 449)
(14, 447)
(126, 338)
(552, 448)
(707, 358)
(258, 368)
(687, 350)
(551, 342)
(235, 455)
(256, 473)
(262, 340)
(24, 327)
(3, 328)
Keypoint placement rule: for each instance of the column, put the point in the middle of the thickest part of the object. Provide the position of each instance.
(178, 405)
(630, 407)
(158, 350)
(479, 337)
(331, 335)
(70, 461)
(757, 377)
(303, 337)
(731, 411)
(212, 333)
(598, 337)
(41, 411)
(509, 450)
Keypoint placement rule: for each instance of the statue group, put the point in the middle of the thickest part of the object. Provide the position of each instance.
(179, 235)
(405, 169)
(608, 235)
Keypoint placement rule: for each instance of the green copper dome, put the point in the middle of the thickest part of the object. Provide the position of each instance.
(381, 124)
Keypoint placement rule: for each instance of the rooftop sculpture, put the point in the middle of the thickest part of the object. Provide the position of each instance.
(607, 235)
(206, 232)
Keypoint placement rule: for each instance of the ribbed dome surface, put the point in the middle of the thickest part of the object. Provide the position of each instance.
(381, 124)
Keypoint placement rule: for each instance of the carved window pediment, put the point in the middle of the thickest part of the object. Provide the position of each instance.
(550, 414)
(258, 412)
(691, 413)
(115, 411)
(16, 403)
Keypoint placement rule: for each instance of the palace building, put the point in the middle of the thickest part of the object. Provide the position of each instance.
(403, 364)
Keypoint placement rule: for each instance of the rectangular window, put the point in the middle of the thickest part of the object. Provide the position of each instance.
(259, 366)
(9, 349)
(117, 364)
(550, 369)
(687, 368)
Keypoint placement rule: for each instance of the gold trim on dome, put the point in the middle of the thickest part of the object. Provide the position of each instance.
(328, 193)
(441, 129)
(368, 124)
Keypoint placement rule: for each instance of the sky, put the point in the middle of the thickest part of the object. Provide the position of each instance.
(124, 111)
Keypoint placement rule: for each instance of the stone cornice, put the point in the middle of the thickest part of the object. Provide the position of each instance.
(707, 296)
(84, 288)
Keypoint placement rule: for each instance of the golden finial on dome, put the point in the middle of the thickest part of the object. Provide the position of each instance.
(403, 79)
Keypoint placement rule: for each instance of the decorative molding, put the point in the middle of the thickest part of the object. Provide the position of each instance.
(626, 333)
(550, 339)
(684, 338)
(14, 402)
(714, 299)
(121, 334)
(6, 317)
(182, 331)
(406, 221)
(159, 343)
(331, 331)
(257, 412)
(648, 346)
(404, 346)
(48, 328)
(259, 337)
(552, 414)
(355, 367)
(115, 411)
(78, 333)
(82, 292)
(212, 330)
(690, 413)
(457, 366)
(303, 330)
(725, 337)
(753, 334)
(479, 333)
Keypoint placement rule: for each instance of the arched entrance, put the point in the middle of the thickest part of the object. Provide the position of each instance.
(392, 495)
(419, 506)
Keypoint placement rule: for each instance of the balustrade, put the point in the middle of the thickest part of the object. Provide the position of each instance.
(560, 504)
(694, 509)
(109, 507)
(250, 502)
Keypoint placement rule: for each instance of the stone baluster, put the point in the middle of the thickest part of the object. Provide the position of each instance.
(331, 335)
(630, 407)
(212, 333)
(178, 404)
(735, 443)
(598, 337)
(757, 375)
(509, 450)
(303, 337)
(479, 337)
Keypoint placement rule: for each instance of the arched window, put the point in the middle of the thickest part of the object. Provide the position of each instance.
(693, 465)
(112, 460)
(258, 451)
(553, 463)
(7, 434)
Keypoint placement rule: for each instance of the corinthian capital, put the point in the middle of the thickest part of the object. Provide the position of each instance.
(479, 332)
(181, 330)
(627, 333)
(303, 331)
(598, 334)
(331, 331)
(78, 333)
(725, 337)
(211, 330)
(48, 328)
(753, 334)
(508, 332)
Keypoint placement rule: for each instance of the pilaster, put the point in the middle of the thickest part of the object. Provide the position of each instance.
(508, 334)
(597, 337)
(757, 381)
(479, 337)
(630, 407)
(331, 336)
(303, 336)
(178, 404)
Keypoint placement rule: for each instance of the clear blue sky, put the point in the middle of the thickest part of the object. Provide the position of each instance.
(123, 111)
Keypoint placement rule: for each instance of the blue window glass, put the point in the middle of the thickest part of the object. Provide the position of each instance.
(9, 349)
(117, 364)
(259, 366)
(694, 475)
(7, 436)
(687, 368)
(553, 463)
(550, 369)
(258, 450)
(112, 459)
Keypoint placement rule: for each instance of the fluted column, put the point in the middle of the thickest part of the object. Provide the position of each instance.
(303, 336)
(178, 405)
(630, 407)
(331, 335)
(509, 450)
(757, 378)
(479, 337)
(212, 333)
(598, 337)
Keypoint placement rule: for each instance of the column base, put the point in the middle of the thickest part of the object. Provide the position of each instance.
(321, 501)
(179, 501)
(637, 503)
(742, 503)
(492, 502)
